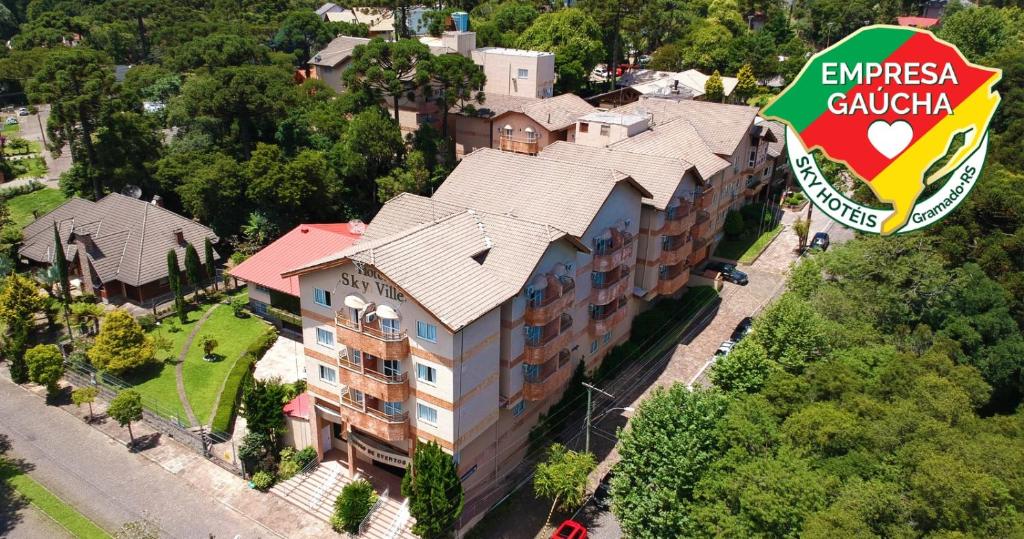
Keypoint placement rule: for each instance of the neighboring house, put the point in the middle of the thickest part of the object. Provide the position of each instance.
(323, 10)
(330, 64)
(460, 319)
(116, 247)
(518, 124)
(276, 298)
(687, 84)
(517, 72)
(917, 22)
(379, 20)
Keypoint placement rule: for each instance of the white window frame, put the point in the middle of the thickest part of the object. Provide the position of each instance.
(519, 408)
(593, 346)
(606, 130)
(522, 73)
(322, 297)
(322, 331)
(428, 369)
(420, 416)
(423, 329)
(334, 373)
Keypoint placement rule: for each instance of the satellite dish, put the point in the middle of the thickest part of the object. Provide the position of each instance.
(133, 191)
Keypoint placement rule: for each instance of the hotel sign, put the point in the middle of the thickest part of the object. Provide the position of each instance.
(366, 278)
(387, 457)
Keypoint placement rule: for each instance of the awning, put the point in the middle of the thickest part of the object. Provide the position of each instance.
(355, 302)
(386, 312)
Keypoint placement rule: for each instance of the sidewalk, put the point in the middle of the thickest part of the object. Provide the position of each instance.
(188, 495)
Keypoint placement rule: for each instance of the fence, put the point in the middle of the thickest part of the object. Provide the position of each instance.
(365, 523)
(163, 305)
(216, 447)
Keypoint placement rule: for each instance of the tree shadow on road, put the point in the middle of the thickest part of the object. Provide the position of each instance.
(11, 503)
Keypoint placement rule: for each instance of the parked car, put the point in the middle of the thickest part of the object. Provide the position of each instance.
(742, 329)
(23, 111)
(725, 348)
(602, 495)
(820, 241)
(570, 529)
(11, 120)
(600, 71)
(729, 272)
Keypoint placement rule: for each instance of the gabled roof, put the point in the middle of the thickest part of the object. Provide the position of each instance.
(129, 237)
(686, 84)
(779, 131)
(326, 8)
(495, 105)
(555, 113)
(564, 195)
(378, 19)
(659, 175)
(457, 263)
(302, 244)
(721, 126)
(678, 139)
(337, 51)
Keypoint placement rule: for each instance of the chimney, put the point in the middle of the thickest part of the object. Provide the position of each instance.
(179, 236)
(158, 201)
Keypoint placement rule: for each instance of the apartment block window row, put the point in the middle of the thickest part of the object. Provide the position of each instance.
(426, 331)
(325, 337)
(426, 373)
(328, 374)
(426, 413)
(322, 297)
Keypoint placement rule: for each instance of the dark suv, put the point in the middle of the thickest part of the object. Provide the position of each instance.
(729, 272)
(742, 329)
(820, 241)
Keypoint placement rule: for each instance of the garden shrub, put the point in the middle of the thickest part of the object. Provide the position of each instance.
(23, 189)
(229, 398)
(352, 506)
(733, 224)
(262, 481)
(148, 322)
(288, 466)
(238, 306)
(304, 456)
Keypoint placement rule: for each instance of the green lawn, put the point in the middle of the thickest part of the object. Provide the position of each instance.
(41, 201)
(747, 247)
(32, 167)
(34, 146)
(47, 502)
(9, 130)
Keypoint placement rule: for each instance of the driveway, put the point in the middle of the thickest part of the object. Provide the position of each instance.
(284, 360)
(33, 127)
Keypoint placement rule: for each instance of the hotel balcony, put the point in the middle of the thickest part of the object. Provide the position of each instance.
(604, 318)
(674, 249)
(701, 227)
(615, 286)
(753, 187)
(386, 387)
(543, 380)
(371, 338)
(364, 416)
(703, 198)
(554, 299)
(517, 145)
(556, 335)
(609, 253)
(698, 254)
(671, 279)
(678, 219)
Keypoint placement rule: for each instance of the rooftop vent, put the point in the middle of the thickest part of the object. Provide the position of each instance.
(179, 236)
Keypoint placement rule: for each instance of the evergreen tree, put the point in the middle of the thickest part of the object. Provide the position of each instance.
(435, 493)
(713, 89)
(45, 366)
(121, 344)
(174, 278)
(19, 303)
(746, 85)
(60, 264)
(211, 270)
(193, 268)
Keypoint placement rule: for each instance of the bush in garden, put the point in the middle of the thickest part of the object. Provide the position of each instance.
(262, 481)
(288, 467)
(352, 506)
(304, 456)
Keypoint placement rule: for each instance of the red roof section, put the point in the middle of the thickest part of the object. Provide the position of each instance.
(917, 22)
(304, 243)
(298, 407)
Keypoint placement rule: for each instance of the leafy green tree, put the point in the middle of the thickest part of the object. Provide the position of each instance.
(125, 409)
(193, 268)
(19, 303)
(714, 90)
(575, 39)
(668, 57)
(261, 407)
(216, 51)
(214, 193)
(562, 477)
(302, 32)
(978, 32)
(174, 280)
(121, 344)
(371, 147)
(413, 177)
(733, 224)
(668, 448)
(389, 69)
(85, 395)
(78, 83)
(45, 366)
(744, 369)
(802, 228)
(456, 81)
(435, 493)
(352, 505)
(746, 85)
(792, 333)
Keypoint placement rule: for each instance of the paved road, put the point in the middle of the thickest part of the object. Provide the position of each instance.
(102, 479)
(32, 128)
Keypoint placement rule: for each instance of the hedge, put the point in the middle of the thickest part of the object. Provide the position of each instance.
(228, 407)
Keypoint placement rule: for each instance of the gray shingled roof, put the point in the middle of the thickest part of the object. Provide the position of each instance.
(130, 237)
(775, 148)
(337, 51)
(679, 139)
(722, 127)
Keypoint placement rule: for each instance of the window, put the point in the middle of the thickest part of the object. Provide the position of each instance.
(753, 157)
(355, 395)
(605, 130)
(518, 409)
(584, 127)
(389, 326)
(336, 431)
(607, 337)
(597, 278)
(531, 372)
(355, 356)
(329, 375)
(321, 297)
(324, 337)
(392, 408)
(427, 414)
(426, 331)
(523, 73)
(259, 308)
(426, 374)
(390, 367)
(533, 334)
(593, 346)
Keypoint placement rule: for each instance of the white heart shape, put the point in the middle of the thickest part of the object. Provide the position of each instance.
(890, 139)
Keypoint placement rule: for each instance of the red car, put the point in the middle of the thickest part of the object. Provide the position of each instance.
(570, 529)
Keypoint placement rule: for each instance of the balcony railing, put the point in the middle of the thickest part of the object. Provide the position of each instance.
(607, 255)
(389, 427)
(370, 338)
(541, 311)
(704, 197)
(678, 219)
(517, 145)
(381, 334)
(672, 278)
(609, 290)
(540, 348)
(675, 249)
(543, 380)
(387, 387)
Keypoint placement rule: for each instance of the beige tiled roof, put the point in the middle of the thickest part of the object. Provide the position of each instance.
(559, 112)
(779, 130)
(498, 104)
(130, 237)
(564, 195)
(457, 263)
(721, 126)
(678, 139)
(660, 175)
(337, 51)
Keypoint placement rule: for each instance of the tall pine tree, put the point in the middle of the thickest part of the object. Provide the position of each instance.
(174, 278)
(211, 270)
(193, 269)
(435, 493)
(714, 90)
(61, 263)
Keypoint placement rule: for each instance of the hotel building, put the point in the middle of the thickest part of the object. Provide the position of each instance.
(460, 318)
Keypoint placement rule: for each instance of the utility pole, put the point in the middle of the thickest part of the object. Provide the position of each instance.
(590, 389)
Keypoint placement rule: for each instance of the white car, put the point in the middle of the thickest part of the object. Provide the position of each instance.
(725, 348)
(600, 72)
(11, 120)
(23, 111)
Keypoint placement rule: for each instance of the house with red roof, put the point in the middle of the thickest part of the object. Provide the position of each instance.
(917, 22)
(276, 298)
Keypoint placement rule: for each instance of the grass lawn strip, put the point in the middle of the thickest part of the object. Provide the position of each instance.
(57, 509)
(760, 245)
(42, 201)
(205, 379)
(747, 247)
